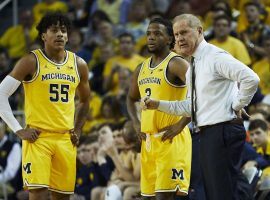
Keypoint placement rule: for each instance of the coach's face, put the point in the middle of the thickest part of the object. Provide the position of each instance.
(186, 37)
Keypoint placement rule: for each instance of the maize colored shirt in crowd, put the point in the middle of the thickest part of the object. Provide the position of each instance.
(262, 68)
(130, 63)
(266, 155)
(49, 96)
(14, 40)
(235, 47)
(40, 9)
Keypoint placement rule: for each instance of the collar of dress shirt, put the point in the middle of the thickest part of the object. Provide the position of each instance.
(197, 54)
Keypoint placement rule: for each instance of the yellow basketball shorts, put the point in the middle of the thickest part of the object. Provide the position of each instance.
(49, 162)
(165, 166)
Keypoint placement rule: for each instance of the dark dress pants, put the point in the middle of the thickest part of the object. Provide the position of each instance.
(221, 147)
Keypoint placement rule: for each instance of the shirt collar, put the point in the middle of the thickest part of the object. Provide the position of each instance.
(198, 52)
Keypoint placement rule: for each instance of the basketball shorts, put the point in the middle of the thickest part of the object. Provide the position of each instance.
(165, 166)
(49, 162)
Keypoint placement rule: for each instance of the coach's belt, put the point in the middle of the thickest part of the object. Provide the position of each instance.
(237, 121)
(49, 131)
(148, 139)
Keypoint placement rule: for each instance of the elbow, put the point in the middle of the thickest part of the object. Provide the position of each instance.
(256, 80)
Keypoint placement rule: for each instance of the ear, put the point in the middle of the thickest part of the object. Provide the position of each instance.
(200, 30)
(43, 36)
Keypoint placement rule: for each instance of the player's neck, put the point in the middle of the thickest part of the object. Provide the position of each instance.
(55, 55)
(159, 56)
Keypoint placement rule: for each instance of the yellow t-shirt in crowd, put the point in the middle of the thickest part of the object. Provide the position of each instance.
(14, 40)
(235, 47)
(129, 63)
(40, 9)
(262, 68)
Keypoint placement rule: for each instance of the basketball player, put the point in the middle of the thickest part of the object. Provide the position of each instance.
(165, 151)
(50, 77)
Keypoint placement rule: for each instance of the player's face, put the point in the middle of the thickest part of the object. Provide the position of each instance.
(157, 38)
(186, 37)
(56, 36)
(258, 136)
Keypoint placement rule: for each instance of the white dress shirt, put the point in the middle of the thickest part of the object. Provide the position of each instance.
(217, 94)
(13, 162)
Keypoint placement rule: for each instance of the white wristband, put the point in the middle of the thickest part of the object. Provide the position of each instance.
(8, 86)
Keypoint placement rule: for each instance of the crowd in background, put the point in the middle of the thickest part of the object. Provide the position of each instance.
(110, 36)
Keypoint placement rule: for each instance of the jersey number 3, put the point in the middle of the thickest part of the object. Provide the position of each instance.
(148, 92)
(59, 92)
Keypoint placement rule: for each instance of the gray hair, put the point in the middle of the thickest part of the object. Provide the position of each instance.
(192, 20)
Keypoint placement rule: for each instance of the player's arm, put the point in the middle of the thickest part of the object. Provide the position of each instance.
(83, 91)
(177, 67)
(24, 69)
(133, 97)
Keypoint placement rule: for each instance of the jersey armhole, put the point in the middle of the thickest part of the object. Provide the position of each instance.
(34, 77)
(76, 67)
(165, 75)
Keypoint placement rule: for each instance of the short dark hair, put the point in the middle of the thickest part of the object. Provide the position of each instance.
(52, 18)
(258, 123)
(126, 34)
(226, 17)
(250, 3)
(169, 28)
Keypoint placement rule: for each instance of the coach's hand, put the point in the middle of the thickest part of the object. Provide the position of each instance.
(29, 134)
(148, 103)
(242, 113)
(171, 131)
(75, 136)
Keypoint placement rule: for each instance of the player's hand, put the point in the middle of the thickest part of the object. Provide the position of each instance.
(170, 132)
(148, 103)
(141, 135)
(74, 137)
(29, 134)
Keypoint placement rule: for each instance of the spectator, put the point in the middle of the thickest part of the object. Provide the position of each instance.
(76, 45)
(127, 59)
(45, 6)
(262, 67)
(223, 40)
(88, 174)
(4, 63)
(137, 20)
(10, 162)
(255, 31)
(78, 13)
(17, 39)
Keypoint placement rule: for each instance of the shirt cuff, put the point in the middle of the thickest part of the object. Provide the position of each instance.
(164, 106)
(236, 105)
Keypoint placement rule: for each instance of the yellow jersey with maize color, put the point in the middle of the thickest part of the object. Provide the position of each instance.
(49, 96)
(153, 82)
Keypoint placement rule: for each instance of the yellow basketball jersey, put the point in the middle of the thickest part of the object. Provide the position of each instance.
(153, 82)
(49, 96)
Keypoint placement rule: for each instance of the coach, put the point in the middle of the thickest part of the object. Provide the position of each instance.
(219, 88)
